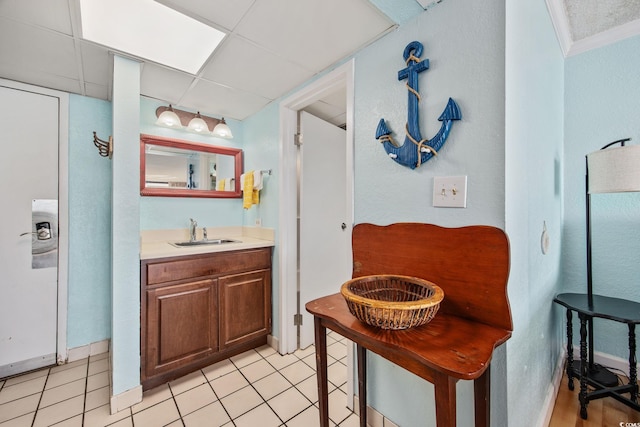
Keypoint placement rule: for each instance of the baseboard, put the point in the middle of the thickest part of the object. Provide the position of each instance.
(615, 363)
(374, 418)
(85, 351)
(273, 342)
(126, 399)
(552, 391)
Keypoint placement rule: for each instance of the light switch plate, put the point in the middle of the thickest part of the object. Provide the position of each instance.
(450, 191)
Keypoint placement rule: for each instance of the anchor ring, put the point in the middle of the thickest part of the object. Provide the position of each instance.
(414, 47)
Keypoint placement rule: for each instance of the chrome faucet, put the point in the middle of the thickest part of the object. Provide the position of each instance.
(192, 230)
(204, 233)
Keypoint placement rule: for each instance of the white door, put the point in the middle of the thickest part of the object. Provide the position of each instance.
(29, 135)
(325, 231)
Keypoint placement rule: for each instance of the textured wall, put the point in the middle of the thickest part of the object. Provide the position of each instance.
(601, 105)
(464, 41)
(89, 315)
(534, 154)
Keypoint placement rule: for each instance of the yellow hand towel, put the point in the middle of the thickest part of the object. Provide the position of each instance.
(247, 189)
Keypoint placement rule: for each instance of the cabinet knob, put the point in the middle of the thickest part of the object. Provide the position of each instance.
(344, 226)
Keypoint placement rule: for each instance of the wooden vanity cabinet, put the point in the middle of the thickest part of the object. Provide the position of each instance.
(199, 309)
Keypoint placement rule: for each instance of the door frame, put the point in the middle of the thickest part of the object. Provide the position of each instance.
(63, 208)
(287, 230)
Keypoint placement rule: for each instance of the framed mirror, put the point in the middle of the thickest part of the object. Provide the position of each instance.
(177, 168)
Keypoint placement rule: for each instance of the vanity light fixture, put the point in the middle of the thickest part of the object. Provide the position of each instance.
(192, 122)
(197, 124)
(222, 130)
(168, 118)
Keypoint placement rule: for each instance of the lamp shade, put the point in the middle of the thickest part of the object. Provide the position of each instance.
(198, 125)
(222, 130)
(169, 119)
(614, 170)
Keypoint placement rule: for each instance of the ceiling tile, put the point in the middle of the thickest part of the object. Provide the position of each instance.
(24, 47)
(218, 100)
(164, 83)
(37, 78)
(315, 34)
(222, 13)
(241, 64)
(590, 17)
(52, 14)
(97, 91)
(96, 63)
(331, 113)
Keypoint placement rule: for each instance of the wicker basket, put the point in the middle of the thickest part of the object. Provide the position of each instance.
(392, 302)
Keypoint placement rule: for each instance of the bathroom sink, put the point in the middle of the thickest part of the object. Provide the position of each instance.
(203, 242)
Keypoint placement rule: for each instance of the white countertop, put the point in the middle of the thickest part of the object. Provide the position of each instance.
(156, 243)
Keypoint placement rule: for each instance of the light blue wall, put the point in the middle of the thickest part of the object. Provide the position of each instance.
(601, 105)
(465, 43)
(89, 289)
(125, 227)
(534, 84)
(174, 212)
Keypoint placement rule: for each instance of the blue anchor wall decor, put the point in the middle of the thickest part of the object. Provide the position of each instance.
(416, 150)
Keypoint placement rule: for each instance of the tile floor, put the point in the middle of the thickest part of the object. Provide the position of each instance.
(258, 388)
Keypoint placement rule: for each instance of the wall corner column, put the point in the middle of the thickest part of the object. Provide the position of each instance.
(125, 210)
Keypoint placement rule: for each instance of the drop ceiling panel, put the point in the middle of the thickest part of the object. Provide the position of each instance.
(313, 34)
(222, 13)
(97, 91)
(164, 83)
(96, 63)
(53, 14)
(26, 48)
(40, 79)
(241, 64)
(220, 100)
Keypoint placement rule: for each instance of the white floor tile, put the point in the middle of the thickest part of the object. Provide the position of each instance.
(63, 392)
(310, 417)
(279, 361)
(266, 350)
(212, 415)
(101, 416)
(70, 422)
(19, 407)
(97, 381)
(187, 382)
(158, 415)
(194, 399)
(337, 374)
(26, 377)
(337, 350)
(241, 401)
(261, 416)
(95, 367)
(289, 404)
(246, 358)
(297, 372)
(22, 421)
(257, 370)
(64, 367)
(352, 421)
(228, 384)
(271, 385)
(218, 369)
(97, 398)
(22, 389)
(152, 397)
(66, 376)
(59, 412)
(338, 410)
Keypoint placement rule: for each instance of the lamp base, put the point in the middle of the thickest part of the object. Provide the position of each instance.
(598, 373)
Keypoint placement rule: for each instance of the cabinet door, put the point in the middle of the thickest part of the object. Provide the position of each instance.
(245, 307)
(182, 325)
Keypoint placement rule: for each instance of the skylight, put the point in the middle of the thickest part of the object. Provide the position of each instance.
(149, 30)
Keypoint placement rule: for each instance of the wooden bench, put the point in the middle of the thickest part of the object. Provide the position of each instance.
(471, 265)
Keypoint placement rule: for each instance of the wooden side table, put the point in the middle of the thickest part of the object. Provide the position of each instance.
(618, 310)
(446, 350)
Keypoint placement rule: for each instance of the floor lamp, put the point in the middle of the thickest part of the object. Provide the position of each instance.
(608, 170)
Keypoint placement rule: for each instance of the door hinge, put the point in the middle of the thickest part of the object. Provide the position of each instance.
(297, 139)
(297, 319)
